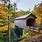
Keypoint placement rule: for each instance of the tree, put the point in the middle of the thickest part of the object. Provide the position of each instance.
(38, 12)
(22, 12)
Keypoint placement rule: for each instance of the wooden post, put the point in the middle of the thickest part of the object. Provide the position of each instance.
(9, 33)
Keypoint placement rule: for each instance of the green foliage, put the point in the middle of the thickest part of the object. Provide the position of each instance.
(20, 13)
(1, 37)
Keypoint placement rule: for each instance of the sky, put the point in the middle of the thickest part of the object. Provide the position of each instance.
(26, 4)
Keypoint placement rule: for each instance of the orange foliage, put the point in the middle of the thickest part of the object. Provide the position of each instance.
(38, 21)
(3, 13)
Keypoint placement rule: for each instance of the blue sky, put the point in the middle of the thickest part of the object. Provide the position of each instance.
(26, 4)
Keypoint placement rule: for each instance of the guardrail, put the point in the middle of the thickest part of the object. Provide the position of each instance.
(36, 29)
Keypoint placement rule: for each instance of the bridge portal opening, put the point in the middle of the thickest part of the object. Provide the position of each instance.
(30, 22)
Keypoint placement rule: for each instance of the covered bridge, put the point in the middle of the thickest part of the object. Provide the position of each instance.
(26, 20)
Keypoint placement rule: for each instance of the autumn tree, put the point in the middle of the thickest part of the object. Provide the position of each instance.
(38, 12)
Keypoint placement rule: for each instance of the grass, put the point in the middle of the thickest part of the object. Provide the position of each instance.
(25, 36)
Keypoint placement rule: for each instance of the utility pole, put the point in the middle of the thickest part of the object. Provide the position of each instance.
(9, 32)
(14, 10)
(9, 26)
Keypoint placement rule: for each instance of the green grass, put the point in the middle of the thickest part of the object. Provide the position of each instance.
(25, 36)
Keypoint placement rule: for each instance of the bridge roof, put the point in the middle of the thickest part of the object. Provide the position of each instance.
(25, 16)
